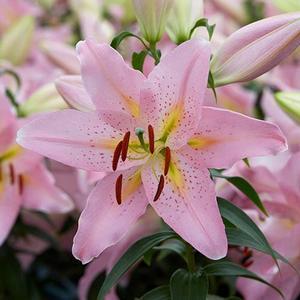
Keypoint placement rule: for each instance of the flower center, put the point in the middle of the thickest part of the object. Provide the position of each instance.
(144, 150)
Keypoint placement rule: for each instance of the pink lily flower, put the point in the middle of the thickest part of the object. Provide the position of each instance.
(280, 193)
(24, 181)
(169, 168)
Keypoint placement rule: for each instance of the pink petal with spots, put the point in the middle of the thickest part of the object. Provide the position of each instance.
(224, 137)
(104, 222)
(10, 202)
(78, 139)
(111, 84)
(192, 210)
(41, 194)
(174, 91)
(72, 90)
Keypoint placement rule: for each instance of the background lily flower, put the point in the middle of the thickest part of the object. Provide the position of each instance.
(256, 48)
(24, 180)
(169, 168)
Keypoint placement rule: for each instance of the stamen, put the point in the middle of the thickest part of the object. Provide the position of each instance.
(159, 188)
(116, 156)
(247, 263)
(125, 145)
(20, 184)
(151, 139)
(119, 189)
(12, 174)
(167, 160)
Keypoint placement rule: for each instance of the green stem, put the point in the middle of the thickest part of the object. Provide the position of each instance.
(190, 255)
(154, 53)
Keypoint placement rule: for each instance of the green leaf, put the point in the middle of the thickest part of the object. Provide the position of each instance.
(131, 256)
(138, 59)
(224, 268)
(244, 186)
(242, 221)
(188, 286)
(211, 84)
(159, 293)
(203, 23)
(174, 245)
(123, 35)
(236, 237)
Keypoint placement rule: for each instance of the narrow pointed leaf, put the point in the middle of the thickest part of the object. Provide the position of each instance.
(159, 293)
(188, 286)
(131, 256)
(225, 268)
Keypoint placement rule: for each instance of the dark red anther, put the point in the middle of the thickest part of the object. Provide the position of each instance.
(247, 263)
(11, 174)
(160, 188)
(116, 156)
(151, 138)
(125, 145)
(119, 189)
(20, 184)
(167, 160)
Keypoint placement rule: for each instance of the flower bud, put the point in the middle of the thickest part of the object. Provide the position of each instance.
(45, 99)
(289, 102)
(255, 49)
(16, 41)
(61, 55)
(152, 17)
(182, 18)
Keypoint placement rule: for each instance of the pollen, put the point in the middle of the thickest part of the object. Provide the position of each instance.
(116, 156)
(125, 145)
(119, 189)
(167, 160)
(160, 188)
(151, 139)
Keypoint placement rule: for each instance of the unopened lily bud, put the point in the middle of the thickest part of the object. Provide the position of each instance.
(255, 49)
(289, 102)
(182, 18)
(62, 55)
(16, 41)
(287, 5)
(45, 99)
(152, 17)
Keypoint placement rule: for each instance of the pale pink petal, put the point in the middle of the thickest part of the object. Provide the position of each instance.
(172, 97)
(104, 222)
(224, 137)
(110, 82)
(40, 192)
(78, 139)
(10, 202)
(188, 205)
(72, 90)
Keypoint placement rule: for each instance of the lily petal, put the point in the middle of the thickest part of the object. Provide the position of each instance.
(10, 202)
(172, 97)
(41, 194)
(224, 137)
(72, 90)
(188, 205)
(78, 139)
(110, 82)
(104, 222)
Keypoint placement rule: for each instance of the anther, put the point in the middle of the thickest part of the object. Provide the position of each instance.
(247, 263)
(20, 184)
(119, 189)
(116, 156)
(151, 139)
(167, 160)
(160, 188)
(125, 145)
(12, 174)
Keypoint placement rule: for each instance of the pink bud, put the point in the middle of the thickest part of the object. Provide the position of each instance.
(256, 48)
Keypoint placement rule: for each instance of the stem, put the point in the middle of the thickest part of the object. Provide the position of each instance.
(190, 255)
(154, 53)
